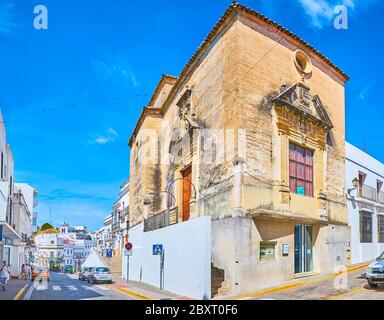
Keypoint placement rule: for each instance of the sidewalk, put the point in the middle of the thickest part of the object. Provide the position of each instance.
(144, 291)
(13, 289)
(293, 284)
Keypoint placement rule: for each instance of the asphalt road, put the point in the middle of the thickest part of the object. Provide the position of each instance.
(68, 287)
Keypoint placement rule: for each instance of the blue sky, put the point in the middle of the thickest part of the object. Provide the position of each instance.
(94, 52)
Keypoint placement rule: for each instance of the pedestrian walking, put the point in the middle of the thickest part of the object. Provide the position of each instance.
(25, 271)
(29, 271)
(4, 275)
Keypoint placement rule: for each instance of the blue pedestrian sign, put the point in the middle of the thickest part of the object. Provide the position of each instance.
(157, 249)
(109, 253)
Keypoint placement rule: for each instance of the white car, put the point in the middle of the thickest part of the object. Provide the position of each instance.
(100, 274)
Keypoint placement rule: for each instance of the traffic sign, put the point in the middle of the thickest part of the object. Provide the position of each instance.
(157, 249)
(128, 246)
(109, 253)
(128, 253)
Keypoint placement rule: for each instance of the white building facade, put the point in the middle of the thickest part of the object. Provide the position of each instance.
(365, 194)
(120, 215)
(104, 236)
(49, 249)
(78, 244)
(15, 210)
(23, 205)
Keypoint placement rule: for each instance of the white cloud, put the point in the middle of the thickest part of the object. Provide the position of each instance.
(7, 17)
(321, 12)
(110, 136)
(112, 132)
(102, 140)
(362, 95)
(115, 69)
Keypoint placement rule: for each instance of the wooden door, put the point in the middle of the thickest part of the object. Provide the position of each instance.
(187, 192)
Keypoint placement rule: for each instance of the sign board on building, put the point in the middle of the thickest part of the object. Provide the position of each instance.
(157, 249)
(285, 249)
(300, 190)
(109, 253)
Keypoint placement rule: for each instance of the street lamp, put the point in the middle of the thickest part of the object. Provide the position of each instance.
(147, 204)
(355, 183)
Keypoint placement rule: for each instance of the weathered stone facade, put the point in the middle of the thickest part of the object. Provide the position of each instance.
(231, 115)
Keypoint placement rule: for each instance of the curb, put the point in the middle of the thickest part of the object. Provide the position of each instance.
(20, 293)
(132, 293)
(299, 284)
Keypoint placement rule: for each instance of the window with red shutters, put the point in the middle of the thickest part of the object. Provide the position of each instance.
(300, 170)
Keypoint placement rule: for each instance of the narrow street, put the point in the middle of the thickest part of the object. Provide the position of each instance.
(68, 287)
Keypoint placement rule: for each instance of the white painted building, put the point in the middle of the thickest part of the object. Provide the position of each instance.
(23, 205)
(78, 244)
(8, 234)
(104, 236)
(365, 204)
(120, 219)
(16, 206)
(49, 248)
(69, 246)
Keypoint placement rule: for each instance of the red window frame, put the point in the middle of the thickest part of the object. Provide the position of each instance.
(300, 169)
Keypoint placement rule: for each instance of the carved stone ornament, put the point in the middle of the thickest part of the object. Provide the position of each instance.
(306, 110)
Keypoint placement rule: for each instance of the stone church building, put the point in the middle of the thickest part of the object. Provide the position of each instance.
(251, 134)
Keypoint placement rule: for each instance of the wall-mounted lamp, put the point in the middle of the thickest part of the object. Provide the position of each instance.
(147, 204)
(355, 183)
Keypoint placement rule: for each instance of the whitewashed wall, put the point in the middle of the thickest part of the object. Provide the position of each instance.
(187, 262)
(357, 160)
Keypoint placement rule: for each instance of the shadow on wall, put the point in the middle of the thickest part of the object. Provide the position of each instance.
(273, 230)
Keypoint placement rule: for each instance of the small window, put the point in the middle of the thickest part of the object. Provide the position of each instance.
(380, 193)
(380, 225)
(365, 227)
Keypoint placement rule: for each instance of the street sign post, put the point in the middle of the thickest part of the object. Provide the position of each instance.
(128, 252)
(128, 246)
(158, 250)
(109, 254)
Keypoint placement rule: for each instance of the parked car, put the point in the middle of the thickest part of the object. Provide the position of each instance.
(375, 272)
(68, 269)
(85, 273)
(100, 274)
(40, 273)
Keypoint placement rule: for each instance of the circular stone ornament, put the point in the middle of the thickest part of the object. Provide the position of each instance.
(302, 62)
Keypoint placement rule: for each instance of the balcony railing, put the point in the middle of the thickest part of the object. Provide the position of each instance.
(381, 197)
(115, 226)
(368, 193)
(161, 220)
